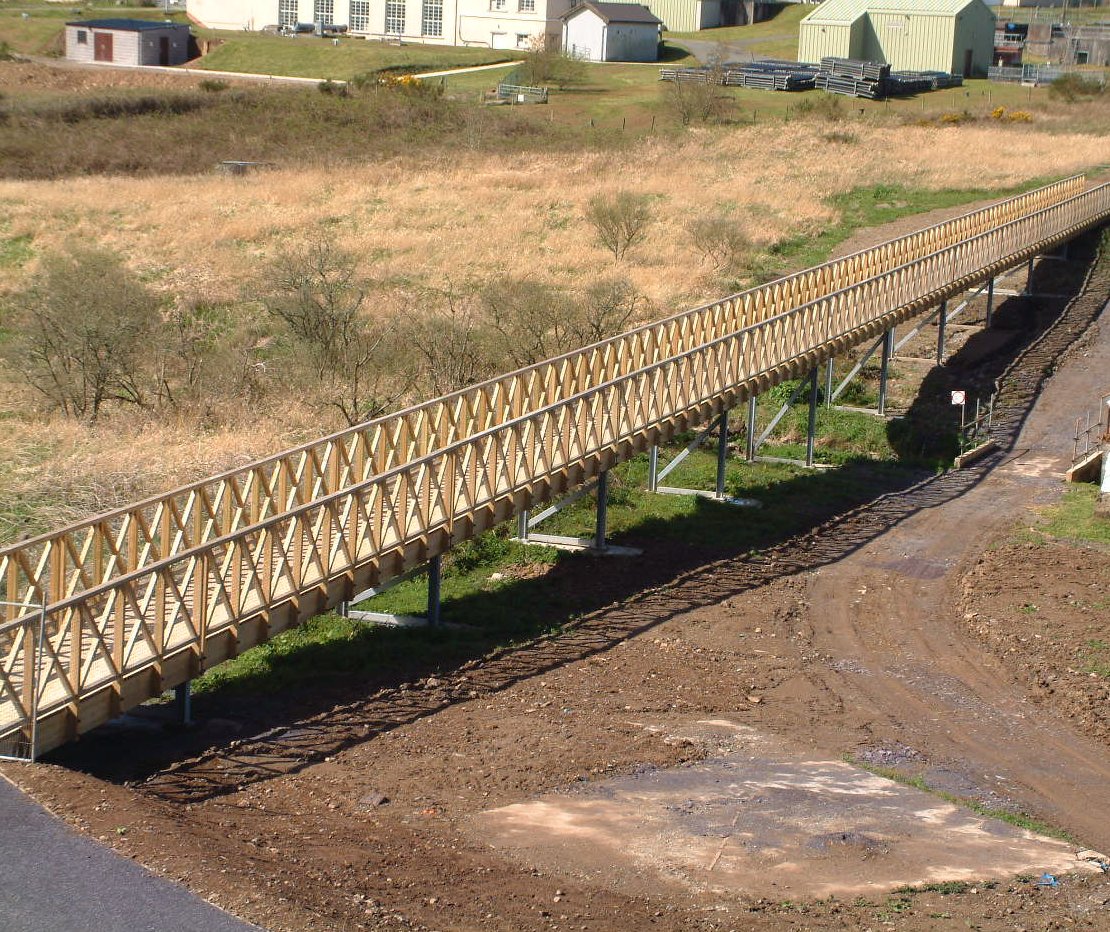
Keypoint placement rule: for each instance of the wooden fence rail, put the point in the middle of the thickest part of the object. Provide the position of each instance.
(124, 639)
(82, 556)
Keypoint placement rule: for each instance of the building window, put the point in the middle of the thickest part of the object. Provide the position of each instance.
(526, 6)
(82, 37)
(287, 12)
(498, 4)
(394, 17)
(431, 18)
(360, 16)
(323, 11)
(523, 41)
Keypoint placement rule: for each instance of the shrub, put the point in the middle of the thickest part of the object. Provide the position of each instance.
(83, 333)
(824, 106)
(6, 53)
(720, 240)
(696, 101)
(1072, 86)
(213, 85)
(621, 220)
(333, 88)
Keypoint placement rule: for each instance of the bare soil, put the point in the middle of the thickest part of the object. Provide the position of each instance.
(893, 635)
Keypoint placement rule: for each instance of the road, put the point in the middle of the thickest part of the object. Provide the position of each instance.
(56, 881)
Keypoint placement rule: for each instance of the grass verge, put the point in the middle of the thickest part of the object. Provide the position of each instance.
(1017, 819)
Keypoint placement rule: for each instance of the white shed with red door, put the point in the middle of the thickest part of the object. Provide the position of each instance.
(128, 41)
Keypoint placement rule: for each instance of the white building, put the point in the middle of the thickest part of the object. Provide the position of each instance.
(498, 24)
(611, 32)
(127, 42)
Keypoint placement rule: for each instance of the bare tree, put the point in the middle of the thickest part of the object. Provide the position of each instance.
(621, 220)
(532, 320)
(606, 308)
(320, 297)
(450, 339)
(83, 333)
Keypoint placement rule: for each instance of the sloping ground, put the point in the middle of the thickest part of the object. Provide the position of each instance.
(847, 641)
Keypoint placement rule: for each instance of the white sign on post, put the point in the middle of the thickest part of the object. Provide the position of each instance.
(959, 398)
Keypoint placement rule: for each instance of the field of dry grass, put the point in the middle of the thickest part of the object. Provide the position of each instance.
(434, 221)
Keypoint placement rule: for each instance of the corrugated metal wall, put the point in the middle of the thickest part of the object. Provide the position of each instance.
(975, 31)
(817, 40)
(910, 43)
(680, 15)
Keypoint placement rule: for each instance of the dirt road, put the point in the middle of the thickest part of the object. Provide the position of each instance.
(848, 641)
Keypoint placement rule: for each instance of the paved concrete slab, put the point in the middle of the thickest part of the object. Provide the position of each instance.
(770, 824)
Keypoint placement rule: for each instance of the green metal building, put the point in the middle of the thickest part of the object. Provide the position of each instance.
(910, 35)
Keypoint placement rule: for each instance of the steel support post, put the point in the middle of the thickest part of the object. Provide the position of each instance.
(183, 703)
(942, 328)
(884, 368)
(522, 525)
(601, 530)
(990, 302)
(829, 378)
(1029, 278)
(811, 432)
(753, 410)
(435, 573)
(722, 454)
(653, 468)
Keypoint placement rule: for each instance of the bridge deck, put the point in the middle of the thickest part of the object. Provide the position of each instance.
(146, 597)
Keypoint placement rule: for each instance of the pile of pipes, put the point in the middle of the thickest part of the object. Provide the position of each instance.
(853, 78)
(836, 75)
(766, 74)
(900, 83)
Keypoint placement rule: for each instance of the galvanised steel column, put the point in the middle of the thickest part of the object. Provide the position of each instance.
(722, 454)
(753, 408)
(811, 433)
(435, 571)
(829, 376)
(522, 525)
(942, 327)
(601, 529)
(653, 468)
(1029, 278)
(183, 703)
(990, 302)
(884, 368)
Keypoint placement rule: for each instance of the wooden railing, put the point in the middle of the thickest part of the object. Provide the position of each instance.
(56, 566)
(127, 638)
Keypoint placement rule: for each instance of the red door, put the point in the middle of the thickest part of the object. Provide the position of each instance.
(102, 46)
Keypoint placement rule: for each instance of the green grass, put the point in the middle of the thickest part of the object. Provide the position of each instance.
(872, 206)
(1074, 517)
(309, 57)
(778, 33)
(15, 251)
(1017, 819)
(1096, 657)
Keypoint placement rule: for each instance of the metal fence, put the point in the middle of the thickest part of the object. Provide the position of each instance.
(1092, 435)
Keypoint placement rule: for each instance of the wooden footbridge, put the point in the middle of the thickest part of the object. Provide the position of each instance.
(110, 612)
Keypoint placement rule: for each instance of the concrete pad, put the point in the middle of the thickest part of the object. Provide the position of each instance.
(770, 826)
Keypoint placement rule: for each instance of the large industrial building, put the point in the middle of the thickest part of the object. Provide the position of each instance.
(910, 35)
(499, 24)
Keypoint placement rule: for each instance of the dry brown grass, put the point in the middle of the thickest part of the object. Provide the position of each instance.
(475, 217)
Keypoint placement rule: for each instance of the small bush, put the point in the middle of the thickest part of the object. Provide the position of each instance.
(6, 53)
(1072, 87)
(1019, 116)
(213, 85)
(847, 139)
(825, 106)
(954, 118)
(720, 240)
(333, 88)
(621, 220)
(696, 101)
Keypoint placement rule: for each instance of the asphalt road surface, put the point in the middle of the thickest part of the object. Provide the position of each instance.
(57, 881)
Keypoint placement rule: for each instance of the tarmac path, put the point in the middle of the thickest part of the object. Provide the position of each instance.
(58, 881)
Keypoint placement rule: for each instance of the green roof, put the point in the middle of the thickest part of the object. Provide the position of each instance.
(848, 11)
